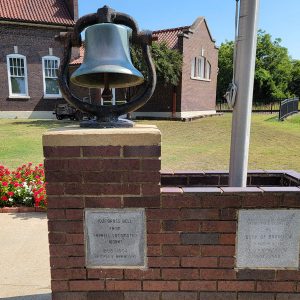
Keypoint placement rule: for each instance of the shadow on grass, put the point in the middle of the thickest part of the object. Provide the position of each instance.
(29, 215)
(272, 119)
(31, 297)
(294, 119)
(47, 124)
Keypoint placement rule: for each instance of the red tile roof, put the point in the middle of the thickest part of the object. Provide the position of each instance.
(170, 36)
(36, 11)
(79, 60)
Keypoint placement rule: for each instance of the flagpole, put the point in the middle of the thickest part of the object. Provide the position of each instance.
(244, 79)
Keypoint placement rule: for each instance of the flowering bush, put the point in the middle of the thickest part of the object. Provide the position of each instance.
(23, 187)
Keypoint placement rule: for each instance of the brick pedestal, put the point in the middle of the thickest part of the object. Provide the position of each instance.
(191, 221)
(103, 168)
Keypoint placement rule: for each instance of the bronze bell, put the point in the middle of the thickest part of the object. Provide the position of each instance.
(107, 58)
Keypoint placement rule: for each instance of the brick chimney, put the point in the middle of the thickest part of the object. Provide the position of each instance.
(73, 8)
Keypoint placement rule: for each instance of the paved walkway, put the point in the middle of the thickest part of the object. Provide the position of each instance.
(24, 257)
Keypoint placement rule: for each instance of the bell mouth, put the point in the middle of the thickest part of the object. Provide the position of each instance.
(115, 80)
(107, 59)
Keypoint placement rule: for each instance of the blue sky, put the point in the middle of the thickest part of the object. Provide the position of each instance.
(277, 17)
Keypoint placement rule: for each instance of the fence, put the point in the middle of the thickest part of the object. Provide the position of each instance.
(288, 107)
(269, 106)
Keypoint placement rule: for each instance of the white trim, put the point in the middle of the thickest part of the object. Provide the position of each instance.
(200, 79)
(50, 115)
(54, 58)
(101, 99)
(113, 100)
(16, 50)
(181, 115)
(19, 97)
(190, 114)
(201, 68)
(52, 96)
(11, 94)
(27, 115)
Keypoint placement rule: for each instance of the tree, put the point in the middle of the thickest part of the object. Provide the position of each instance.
(225, 68)
(273, 68)
(168, 62)
(273, 72)
(295, 82)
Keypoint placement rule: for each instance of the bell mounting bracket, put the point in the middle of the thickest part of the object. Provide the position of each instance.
(108, 115)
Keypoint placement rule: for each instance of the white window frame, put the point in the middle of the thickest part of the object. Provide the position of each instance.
(208, 70)
(201, 69)
(9, 76)
(55, 58)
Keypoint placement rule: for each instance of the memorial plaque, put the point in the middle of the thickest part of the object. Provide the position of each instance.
(115, 238)
(268, 239)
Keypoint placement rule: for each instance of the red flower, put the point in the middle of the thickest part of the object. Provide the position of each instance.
(4, 198)
(4, 183)
(10, 194)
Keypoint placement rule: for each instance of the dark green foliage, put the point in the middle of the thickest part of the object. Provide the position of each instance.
(273, 68)
(295, 82)
(168, 62)
(225, 68)
(276, 75)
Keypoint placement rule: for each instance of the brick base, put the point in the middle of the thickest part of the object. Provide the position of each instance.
(190, 231)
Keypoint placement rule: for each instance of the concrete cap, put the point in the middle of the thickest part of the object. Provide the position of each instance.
(140, 135)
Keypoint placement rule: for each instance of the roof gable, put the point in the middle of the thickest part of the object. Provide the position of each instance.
(36, 11)
(169, 36)
(197, 22)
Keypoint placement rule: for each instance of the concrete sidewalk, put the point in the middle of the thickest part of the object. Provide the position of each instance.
(24, 257)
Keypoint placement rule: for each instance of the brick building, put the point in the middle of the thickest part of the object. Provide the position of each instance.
(29, 55)
(195, 94)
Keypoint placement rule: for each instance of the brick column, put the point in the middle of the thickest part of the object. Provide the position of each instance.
(95, 168)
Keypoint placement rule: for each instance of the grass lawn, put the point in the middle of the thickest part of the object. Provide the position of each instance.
(203, 144)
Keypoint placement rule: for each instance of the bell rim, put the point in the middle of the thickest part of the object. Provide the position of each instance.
(138, 81)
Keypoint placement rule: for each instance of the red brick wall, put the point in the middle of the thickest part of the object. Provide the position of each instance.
(73, 8)
(93, 177)
(34, 43)
(190, 232)
(199, 95)
(204, 220)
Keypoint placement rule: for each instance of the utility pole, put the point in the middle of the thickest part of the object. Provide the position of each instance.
(244, 79)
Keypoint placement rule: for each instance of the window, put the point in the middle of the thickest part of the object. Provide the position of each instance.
(201, 68)
(17, 76)
(50, 67)
(208, 70)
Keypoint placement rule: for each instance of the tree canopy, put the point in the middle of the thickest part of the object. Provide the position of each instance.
(276, 74)
(168, 62)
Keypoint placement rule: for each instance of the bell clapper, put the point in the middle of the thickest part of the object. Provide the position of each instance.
(107, 92)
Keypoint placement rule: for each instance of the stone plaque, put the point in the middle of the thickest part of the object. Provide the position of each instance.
(115, 238)
(268, 239)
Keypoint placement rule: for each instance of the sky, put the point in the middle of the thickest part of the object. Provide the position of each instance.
(277, 17)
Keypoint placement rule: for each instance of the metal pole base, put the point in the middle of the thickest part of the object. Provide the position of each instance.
(120, 123)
